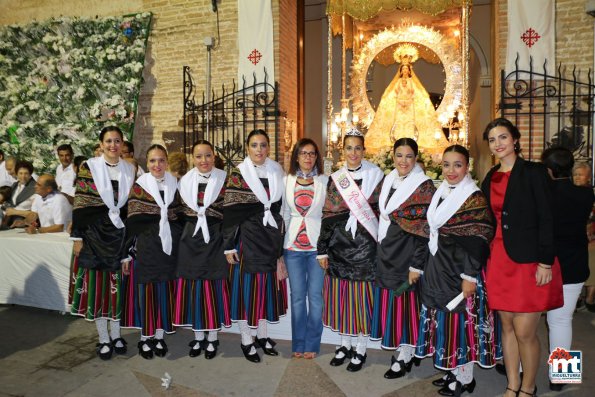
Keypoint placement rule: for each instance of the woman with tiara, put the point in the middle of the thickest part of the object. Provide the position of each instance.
(456, 326)
(152, 236)
(253, 243)
(402, 254)
(202, 294)
(100, 204)
(347, 250)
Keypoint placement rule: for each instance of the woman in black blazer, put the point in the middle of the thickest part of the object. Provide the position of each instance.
(523, 278)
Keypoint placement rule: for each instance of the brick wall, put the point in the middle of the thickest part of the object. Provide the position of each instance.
(179, 27)
(574, 46)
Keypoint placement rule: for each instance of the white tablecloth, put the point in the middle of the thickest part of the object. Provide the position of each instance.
(35, 269)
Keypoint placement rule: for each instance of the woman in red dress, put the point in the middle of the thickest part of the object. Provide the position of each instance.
(523, 277)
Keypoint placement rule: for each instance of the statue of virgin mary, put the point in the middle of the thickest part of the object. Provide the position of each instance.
(405, 110)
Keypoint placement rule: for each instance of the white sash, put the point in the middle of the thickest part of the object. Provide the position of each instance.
(189, 193)
(149, 184)
(103, 183)
(439, 215)
(356, 199)
(415, 178)
(274, 175)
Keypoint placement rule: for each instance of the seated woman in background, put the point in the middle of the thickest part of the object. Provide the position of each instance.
(23, 191)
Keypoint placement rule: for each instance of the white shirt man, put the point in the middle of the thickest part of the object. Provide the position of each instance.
(6, 179)
(50, 207)
(65, 174)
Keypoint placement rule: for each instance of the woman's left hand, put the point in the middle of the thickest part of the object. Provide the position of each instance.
(468, 288)
(543, 275)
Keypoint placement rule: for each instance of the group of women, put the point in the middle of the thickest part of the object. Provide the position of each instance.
(391, 258)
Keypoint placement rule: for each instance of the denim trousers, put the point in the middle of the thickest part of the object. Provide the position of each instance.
(306, 278)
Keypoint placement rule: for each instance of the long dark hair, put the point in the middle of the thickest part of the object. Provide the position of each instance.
(294, 166)
(109, 128)
(406, 142)
(512, 129)
(257, 132)
(203, 142)
(458, 149)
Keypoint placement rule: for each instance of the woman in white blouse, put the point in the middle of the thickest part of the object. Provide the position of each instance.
(305, 192)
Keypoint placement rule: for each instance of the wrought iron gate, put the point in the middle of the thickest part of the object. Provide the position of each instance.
(227, 119)
(550, 110)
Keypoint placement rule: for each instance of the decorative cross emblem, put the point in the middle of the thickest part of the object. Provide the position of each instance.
(530, 37)
(255, 56)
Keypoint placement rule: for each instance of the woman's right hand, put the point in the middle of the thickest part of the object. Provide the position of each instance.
(78, 246)
(126, 268)
(413, 277)
(232, 258)
(323, 262)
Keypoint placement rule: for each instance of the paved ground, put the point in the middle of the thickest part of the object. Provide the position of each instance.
(44, 353)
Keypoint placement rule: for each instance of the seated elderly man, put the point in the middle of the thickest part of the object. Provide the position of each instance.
(7, 173)
(51, 212)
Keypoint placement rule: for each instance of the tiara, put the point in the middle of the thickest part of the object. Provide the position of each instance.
(406, 53)
(353, 132)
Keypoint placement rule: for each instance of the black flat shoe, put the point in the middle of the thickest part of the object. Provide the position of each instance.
(335, 362)
(211, 354)
(459, 388)
(146, 354)
(405, 368)
(195, 352)
(108, 354)
(160, 351)
(356, 367)
(119, 350)
(269, 351)
(441, 382)
(253, 358)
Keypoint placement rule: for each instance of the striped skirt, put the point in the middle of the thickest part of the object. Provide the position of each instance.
(203, 305)
(455, 339)
(395, 319)
(347, 305)
(149, 306)
(257, 296)
(96, 294)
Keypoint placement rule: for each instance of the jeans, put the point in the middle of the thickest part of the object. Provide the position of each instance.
(306, 278)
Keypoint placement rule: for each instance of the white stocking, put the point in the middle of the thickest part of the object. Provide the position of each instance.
(464, 374)
(115, 332)
(101, 324)
(212, 336)
(345, 341)
(246, 335)
(199, 335)
(360, 348)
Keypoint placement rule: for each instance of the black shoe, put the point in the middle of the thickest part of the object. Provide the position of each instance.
(441, 382)
(108, 354)
(501, 369)
(590, 307)
(356, 367)
(195, 352)
(254, 358)
(556, 386)
(405, 368)
(459, 388)
(119, 350)
(160, 351)
(146, 354)
(269, 351)
(527, 393)
(335, 362)
(211, 354)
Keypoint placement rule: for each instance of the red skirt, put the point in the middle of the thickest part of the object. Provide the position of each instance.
(511, 286)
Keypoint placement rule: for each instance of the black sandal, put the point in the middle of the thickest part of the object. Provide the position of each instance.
(335, 362)
(208, 353)
(253, 358)
(269, 351)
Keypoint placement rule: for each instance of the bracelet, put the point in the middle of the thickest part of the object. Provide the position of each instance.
(544, 267)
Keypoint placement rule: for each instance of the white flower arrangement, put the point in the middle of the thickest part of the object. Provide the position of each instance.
(64, 79)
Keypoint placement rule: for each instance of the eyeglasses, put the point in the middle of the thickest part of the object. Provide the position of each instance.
(307, 154)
